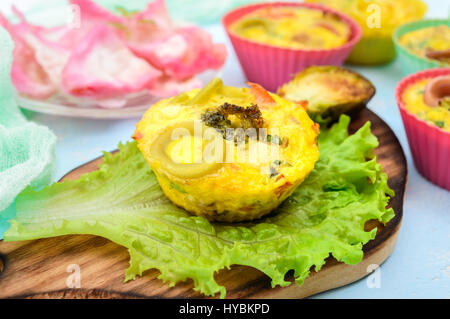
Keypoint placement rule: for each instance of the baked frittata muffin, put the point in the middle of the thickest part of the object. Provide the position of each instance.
(378, 19)
(432, 42)
(275, 40)
(429, 100)
(228, 154)
(423, 99)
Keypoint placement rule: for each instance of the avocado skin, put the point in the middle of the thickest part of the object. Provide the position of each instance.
(330, 92)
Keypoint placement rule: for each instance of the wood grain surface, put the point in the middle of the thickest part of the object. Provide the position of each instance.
(39, 268)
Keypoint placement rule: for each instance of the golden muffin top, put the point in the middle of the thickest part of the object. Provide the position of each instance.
(378, 17)
(429, 100)
(293, 27)
(290, 133)
(431, 42)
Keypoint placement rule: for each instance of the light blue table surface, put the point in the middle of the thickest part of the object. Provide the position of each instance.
(420, 264)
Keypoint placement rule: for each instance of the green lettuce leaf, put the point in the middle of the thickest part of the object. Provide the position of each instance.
(123, 202)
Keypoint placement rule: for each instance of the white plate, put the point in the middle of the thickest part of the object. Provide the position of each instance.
(64, 105)
(93, 113)
(136, 104)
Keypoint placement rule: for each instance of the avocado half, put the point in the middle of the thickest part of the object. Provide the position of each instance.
(329, 91)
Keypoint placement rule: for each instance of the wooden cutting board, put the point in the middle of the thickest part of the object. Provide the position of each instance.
(39, 268)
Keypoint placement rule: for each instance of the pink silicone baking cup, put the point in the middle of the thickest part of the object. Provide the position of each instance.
(272, 66)
(429, 144)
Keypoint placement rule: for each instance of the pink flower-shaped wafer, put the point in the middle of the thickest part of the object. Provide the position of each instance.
(108, 55)
(102, 67)
(27, 74)
(184, 53)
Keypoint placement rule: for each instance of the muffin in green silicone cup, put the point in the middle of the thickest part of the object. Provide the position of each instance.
(378, 19)
(423, 45)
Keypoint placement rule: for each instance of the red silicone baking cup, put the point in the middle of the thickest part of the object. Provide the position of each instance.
(272, 66)
(429, 144)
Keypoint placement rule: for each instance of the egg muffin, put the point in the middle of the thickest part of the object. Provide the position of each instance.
(431, 43)
(423, 100)
(429, 100)
(293, 27)
(378, 19)
(228, 154)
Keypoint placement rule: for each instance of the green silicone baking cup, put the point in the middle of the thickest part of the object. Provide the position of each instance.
(409, 62)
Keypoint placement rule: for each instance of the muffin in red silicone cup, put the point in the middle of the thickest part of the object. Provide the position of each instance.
(273, 63)
(424, 102)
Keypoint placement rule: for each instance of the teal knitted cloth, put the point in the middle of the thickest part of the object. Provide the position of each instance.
(26, 149)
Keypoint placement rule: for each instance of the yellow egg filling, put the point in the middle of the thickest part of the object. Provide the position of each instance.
(293, 27)
(413, 98)
(186, 150)
(425, 41)
(378, 17)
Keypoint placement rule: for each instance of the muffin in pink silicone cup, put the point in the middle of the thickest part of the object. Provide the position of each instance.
(274, 41)
(424, 102)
